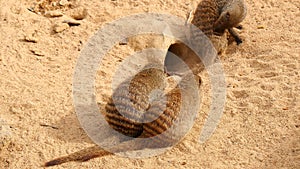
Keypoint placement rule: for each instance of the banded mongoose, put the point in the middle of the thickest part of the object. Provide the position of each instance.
(163, 109)
(167, 110)
(137, 104)
(214, 18)
(178, 103)
(133, 103)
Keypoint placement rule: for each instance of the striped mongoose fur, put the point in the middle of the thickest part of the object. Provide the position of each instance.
(215, 18)
(163, 112)
(179, 98)
(137, 105)
(140, 87)
(133, 103)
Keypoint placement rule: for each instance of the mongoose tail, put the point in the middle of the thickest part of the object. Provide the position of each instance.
(151, 129)
(83, 155)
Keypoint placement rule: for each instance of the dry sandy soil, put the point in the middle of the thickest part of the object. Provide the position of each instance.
(260, 125)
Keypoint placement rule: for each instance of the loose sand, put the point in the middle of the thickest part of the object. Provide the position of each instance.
(260, 125)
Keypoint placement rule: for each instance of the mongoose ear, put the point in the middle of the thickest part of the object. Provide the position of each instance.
(221, 24)
(227, 16)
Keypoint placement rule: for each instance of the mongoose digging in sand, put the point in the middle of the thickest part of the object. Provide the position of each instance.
(163, 108)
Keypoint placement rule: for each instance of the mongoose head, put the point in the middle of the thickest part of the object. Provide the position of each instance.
(231, 15)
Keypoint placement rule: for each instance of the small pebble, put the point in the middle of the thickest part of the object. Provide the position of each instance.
(123, 42)
(31, 9)
(72, 22)
(31, 36)
(5, 134)
(57, 28)
(260, 27)
(183, 163)
(15, 110)
(4, 129)
(78, 13)
(52, 14)
(37, 53)
(63, 2)
(30, 39)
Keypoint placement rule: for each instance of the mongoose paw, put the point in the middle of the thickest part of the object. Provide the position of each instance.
(238, 41)
(236, 37)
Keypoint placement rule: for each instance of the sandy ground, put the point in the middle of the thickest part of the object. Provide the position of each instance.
(260, 125)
